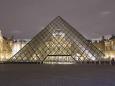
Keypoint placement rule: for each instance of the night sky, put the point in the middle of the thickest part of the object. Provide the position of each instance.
(25, 18)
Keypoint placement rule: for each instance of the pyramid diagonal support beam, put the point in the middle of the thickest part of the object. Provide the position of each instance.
(58, 43)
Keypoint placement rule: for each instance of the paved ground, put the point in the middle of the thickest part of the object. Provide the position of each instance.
(56, 75)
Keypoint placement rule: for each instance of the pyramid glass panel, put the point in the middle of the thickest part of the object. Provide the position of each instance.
(58, 43)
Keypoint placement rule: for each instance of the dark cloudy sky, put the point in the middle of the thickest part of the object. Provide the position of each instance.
(25, 18)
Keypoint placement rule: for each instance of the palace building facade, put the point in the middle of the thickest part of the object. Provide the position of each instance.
(10, 46)
(107, 46)
(6, 45)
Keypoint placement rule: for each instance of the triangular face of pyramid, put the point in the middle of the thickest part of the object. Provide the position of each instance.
(58, 43)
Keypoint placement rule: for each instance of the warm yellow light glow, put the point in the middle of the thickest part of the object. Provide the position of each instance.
(16, 48)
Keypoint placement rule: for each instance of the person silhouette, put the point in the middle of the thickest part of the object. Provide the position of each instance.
(112, 61)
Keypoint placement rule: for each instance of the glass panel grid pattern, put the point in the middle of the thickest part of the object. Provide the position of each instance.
(58, 43)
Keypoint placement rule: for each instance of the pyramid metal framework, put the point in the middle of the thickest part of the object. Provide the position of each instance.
(58, 43)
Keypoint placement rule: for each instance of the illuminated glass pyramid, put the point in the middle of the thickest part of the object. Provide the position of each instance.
(58, 43)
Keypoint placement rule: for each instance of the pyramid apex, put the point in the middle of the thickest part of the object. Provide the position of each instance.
(59, 17)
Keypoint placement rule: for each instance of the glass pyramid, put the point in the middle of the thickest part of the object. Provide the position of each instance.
(58, 43)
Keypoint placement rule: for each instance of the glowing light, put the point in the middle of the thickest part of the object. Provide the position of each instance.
(58, 34)
(16, 48)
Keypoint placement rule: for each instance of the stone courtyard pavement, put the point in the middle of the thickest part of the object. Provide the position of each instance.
(56, 75)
